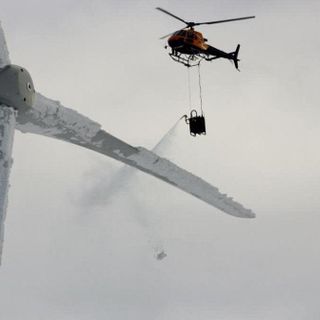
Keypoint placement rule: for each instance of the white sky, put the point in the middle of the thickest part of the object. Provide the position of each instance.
(70, 255)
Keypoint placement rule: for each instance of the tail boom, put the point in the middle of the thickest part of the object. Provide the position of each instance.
(215, 53)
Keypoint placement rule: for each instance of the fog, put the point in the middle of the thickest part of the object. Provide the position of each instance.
(81, 236)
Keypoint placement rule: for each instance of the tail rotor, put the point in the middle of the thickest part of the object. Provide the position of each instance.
(235, 57)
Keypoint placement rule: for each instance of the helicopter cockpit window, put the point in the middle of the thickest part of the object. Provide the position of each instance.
(190, 35)
(181, 33)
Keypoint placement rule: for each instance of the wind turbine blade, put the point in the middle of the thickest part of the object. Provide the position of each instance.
(7, 125)
(50, 118)
(4, 53)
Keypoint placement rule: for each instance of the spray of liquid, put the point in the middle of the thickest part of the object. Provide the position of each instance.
(154, 238)
(167, 139)
(106, 189)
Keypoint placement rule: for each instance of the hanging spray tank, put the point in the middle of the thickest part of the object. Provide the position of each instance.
(197, 123)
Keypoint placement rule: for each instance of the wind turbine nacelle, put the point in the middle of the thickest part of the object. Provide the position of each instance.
(16, 88)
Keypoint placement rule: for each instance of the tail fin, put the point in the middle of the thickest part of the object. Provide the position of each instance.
(235, 57)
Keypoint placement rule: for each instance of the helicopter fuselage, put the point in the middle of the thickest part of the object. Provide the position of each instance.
(188, 42)
(192, 44)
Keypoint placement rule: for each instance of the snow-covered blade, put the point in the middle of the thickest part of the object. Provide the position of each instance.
(4, 53)
(51, 119)
(7, 125)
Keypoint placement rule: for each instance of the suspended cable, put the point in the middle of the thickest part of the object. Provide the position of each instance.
(200, 88)
(195, 122)
(189, 88)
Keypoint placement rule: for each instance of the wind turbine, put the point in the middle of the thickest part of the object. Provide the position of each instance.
(26, 110)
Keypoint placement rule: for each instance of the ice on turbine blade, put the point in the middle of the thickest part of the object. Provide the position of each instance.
(50, 118)
(4, 53)
(7, 124)
(171, 173)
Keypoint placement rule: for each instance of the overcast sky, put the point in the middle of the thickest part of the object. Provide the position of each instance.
(80, 245)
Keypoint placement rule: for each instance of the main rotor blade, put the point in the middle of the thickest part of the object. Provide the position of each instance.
(222, 21)
(170, 34)
(50, 118)
(167, 35)
(172, 15)
(4, 53)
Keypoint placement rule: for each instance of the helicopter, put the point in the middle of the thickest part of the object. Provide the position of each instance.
(189, 47)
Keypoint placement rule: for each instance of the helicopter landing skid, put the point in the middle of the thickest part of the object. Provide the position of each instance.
(188, 60)
(191, 60)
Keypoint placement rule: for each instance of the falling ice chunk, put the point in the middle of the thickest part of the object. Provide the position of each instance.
(161, 255)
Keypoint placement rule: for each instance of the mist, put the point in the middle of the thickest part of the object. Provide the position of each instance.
(80, 235)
